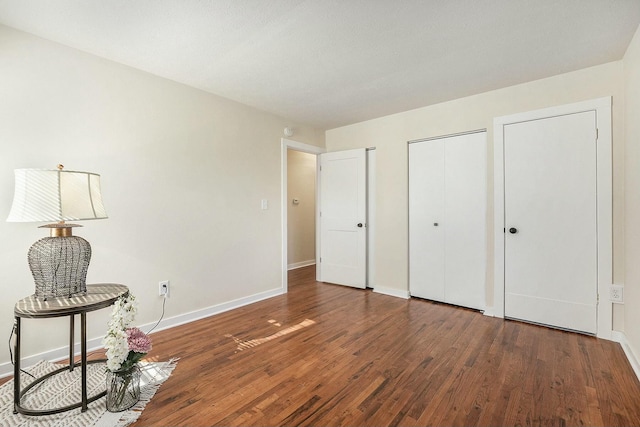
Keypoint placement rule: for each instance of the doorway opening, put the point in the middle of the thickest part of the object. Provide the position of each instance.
(298, 198)
(301, 209)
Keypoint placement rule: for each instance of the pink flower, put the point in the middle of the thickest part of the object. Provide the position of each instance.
(138, 341)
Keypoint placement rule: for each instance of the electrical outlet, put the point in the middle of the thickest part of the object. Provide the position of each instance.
(616, 293)
(163, 288)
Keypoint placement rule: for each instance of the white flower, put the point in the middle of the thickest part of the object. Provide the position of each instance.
(115, 342)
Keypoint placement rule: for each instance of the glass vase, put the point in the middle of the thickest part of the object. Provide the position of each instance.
(123, 389)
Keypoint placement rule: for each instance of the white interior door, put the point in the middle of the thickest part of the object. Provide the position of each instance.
(343, 212)
(550, 259)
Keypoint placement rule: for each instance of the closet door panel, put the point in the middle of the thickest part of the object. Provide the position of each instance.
(426, 214)
(465, 220)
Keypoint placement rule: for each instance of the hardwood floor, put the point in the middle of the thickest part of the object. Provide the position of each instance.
(327, 355)
(330, 355)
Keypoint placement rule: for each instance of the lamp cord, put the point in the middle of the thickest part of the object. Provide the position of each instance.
(164, 301)
(13, 331)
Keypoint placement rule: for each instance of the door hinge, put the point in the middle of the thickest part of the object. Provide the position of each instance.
(597, 133)
(320, 259)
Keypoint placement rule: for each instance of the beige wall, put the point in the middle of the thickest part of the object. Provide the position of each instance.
(632, 194)
(183, 175)
(301, 217)
(390, 135)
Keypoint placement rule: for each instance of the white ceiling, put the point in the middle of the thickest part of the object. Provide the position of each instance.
(328, 63)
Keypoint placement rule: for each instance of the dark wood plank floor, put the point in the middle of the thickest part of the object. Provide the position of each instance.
(327, 355)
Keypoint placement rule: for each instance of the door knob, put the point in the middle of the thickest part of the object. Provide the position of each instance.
(513, 230)
(360, 225)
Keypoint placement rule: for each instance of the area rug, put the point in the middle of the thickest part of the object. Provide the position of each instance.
(64, 389)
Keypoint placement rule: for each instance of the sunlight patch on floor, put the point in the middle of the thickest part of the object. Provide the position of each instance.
(245, 344)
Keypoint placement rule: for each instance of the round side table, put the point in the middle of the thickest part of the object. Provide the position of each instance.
(97, 297)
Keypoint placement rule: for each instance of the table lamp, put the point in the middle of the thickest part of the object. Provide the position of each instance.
(58, 263)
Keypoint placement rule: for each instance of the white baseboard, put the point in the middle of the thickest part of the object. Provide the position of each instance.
(621, 338)
(392, 292)
(301, 264)
(93, 344)
(489, 312)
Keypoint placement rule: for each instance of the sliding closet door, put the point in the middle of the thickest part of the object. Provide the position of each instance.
(447, 219)
(466, 219)
(426, 213)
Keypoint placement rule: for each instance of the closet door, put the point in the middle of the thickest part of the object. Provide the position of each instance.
(426, 213)
(465, 219)
(447, 219)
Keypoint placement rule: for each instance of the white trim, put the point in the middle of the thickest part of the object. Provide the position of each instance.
(451, 135)
(392, 292)
(621, 338)
(318, 234)
(287, 144)
(301, 264)
(602, 107)
(371, 217)
(489, 312)
(94, 344)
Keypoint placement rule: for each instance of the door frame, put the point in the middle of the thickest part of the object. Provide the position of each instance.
(289, 144)
(604, 214)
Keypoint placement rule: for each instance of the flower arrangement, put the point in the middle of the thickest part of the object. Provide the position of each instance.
(125, 345)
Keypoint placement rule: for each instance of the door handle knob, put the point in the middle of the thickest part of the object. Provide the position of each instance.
(359, 225)
(513, 230)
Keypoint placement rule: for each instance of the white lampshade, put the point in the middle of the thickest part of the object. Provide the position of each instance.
(56, 195)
